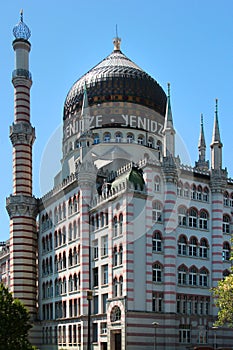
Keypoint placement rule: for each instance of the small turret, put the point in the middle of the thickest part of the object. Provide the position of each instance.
(202, 164)
(216, 144)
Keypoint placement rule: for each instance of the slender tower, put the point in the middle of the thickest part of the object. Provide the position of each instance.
(21, 205)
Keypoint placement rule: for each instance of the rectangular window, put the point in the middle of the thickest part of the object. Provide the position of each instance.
(105, 274)
(184, 334)
(104, 302)
(95, 277)
(95, 332)
(96, 304)
(95, 249)
(104, 246)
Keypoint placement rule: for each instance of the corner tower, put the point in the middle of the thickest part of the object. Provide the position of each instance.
(21, 205)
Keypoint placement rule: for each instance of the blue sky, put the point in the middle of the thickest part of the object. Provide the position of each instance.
(187, 43)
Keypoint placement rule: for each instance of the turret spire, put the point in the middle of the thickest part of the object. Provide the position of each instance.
(202, 163)
(169, 131)
(216, 133)
(201, 143)
(216, 144)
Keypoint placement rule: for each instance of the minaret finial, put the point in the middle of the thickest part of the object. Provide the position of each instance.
(117, 41)
(216, 107)
(201, 119)
(168, 89)
(21, 15)
(21, 30)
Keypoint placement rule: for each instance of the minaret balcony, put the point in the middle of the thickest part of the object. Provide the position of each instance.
(21, 73)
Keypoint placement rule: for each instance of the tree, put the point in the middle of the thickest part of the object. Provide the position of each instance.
(14, 322)
(223, 295)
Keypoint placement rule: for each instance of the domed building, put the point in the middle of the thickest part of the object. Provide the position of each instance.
(122, 252)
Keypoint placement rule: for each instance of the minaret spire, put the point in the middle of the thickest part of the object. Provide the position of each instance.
(169, 131)
(216, 144)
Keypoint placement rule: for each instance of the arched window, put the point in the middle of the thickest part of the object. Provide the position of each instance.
(180, 189)
(75, 204)
(120, 286)
(75, 256)
(182, 275)
(157, 242)
(118, 137)
(64, 235)
(193, 246)
(156, 211)
(70, 257)
(70, 207)
(101, 219)
(193, 192)
(115, 226)
(107, 137)
(182, 216)
(150, 142)
(115, 256)
(231, 200)
(186, 190)
(226, 252)
(226, 198)
(130, 138)
(182, 245)
(203, 277)
(70, 232)
(120, 224)
(96, 139)
(203, 248)
(199, 193)
(120, 255)
(203, 220)
(64, 260)
(205, 194)
(75, 282)
(157, 183)
(140, 140)
(192, 217)
(75, 229)
(226, 224)
(115, 287)
(193, 276)
(157, 273)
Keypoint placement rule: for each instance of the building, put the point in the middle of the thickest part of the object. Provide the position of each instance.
(130, 240)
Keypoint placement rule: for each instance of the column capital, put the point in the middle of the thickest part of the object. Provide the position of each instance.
(22, 133)
(18, 205)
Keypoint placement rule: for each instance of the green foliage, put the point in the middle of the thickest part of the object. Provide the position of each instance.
(223, 295)
(14, 322)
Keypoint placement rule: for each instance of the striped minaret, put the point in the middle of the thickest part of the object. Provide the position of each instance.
(218, 182)
(21, 205)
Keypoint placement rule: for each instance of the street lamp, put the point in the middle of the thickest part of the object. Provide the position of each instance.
(155, 324)
(215, 336)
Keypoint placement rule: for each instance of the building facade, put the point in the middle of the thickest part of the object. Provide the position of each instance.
(129, 241)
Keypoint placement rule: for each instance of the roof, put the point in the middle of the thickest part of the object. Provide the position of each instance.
(116, 75)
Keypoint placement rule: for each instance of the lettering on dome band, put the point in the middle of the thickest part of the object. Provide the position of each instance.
(75, 124)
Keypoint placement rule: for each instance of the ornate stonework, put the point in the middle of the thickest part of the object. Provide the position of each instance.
(22, 205)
